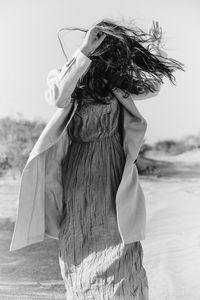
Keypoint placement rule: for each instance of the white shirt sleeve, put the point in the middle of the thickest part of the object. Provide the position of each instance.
(62, 82)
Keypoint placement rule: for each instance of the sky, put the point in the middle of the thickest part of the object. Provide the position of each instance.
(30, 49)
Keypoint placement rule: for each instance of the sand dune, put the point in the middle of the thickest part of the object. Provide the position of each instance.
(172, 244)
(192, 156)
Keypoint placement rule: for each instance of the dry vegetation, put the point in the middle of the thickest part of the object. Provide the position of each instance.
(17, 138)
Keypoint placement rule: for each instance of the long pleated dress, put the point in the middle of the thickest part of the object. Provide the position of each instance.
(94, 262)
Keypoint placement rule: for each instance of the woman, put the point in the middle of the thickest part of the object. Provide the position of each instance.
(93, 201)
(94, 262)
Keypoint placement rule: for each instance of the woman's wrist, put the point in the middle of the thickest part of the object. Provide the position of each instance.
(85, 51)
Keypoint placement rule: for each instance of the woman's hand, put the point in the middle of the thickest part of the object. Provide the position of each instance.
(93, 38)
(156, 32)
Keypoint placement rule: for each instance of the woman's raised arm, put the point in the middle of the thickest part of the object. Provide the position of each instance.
(62, 82)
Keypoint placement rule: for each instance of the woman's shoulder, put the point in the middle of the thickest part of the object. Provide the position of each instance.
(123, 95)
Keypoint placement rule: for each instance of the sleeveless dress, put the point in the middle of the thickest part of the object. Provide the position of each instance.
(94, 262)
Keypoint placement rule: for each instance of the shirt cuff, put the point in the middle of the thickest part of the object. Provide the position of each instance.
(81, 58)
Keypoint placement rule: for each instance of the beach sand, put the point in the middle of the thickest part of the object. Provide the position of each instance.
(171, 248)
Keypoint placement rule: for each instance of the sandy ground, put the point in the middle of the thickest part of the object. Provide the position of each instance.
(171, 248)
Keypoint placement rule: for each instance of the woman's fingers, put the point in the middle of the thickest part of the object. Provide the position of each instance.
(100, 39)
(93, 39)
(155, 29)
(99, 36)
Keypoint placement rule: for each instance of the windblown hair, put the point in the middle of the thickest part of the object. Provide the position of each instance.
(125, 60)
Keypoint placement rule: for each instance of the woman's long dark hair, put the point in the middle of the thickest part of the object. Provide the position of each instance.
(125, 61)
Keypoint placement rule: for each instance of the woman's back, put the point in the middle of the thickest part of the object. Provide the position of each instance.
(94, 121)
(90, 243)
